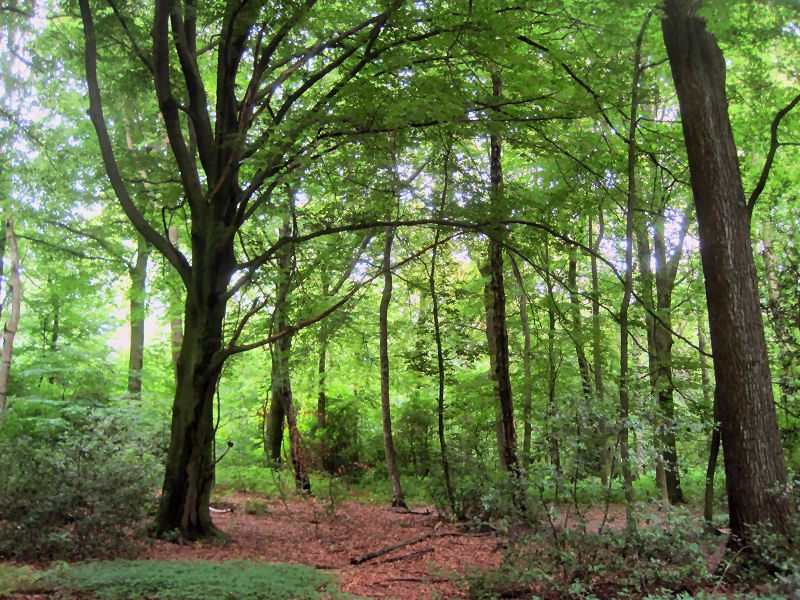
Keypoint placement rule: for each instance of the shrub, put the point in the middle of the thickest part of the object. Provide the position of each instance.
(73, 481)
(570, 563)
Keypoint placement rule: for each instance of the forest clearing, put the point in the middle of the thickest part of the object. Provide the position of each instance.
(274, 271)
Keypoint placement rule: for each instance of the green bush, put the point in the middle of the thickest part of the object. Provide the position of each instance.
(74, 481)
(196, 580)
(572, 563)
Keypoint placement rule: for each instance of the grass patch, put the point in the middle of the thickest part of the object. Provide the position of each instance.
(195, 580)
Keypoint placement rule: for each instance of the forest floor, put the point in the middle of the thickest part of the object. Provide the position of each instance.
(373, 551)
(332, 537)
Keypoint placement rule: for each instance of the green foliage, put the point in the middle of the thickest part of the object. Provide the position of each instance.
(196, 580)
(74, 480)
(576, 562)
(14, 578)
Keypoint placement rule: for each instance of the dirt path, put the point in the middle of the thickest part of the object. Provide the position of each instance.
(305, 532)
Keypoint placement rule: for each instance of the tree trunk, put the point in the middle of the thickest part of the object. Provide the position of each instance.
(175, 322)
(527, 390)
(662, 344)
(597, 354)
(624, 393)
(440, 372)
(491, 345)
(754, 465)
(138, 274)
(553, 445)
(10, 329)
(646, 294)
(398, 498)
(501, 374)
(189, 474)
(709, 398)
(577, 329)
(273, 439)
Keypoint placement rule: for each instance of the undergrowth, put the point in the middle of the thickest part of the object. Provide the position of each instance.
(173, 580)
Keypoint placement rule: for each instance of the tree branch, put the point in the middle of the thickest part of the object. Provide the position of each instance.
(109, 160)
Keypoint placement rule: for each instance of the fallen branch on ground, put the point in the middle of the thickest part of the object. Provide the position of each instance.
(387, 549)
(405, 556)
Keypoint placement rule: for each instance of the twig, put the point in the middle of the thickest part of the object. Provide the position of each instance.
(405, 556)
(417, 580)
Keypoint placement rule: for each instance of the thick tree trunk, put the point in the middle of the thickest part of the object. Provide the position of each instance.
(398, 498)
(754, 465)
(138, 274)
(189, 474)
(10, 329)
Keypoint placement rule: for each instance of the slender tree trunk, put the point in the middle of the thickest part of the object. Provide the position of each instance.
(577, 329)
(11, 326)
(527, 391)
(787, 350)
(440, 372)
(597, 354)
(281, 382)
(322, 398)
(398, 498)
(552, 369)
(754, 464)
(491, 344)
(662, 344)
(709, 398)
(624, 394)
(501, 375)
(275, 415)
(138, 274)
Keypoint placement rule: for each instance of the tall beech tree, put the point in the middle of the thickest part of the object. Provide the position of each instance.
(276, 72)
(754, 464)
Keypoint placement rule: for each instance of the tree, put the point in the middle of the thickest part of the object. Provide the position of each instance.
(754, 463)
(232, 146)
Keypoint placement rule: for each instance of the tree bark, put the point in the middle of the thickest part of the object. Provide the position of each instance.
(138, 275)
(754, 465)
(189, 473)
(398, 498)
(11, 326)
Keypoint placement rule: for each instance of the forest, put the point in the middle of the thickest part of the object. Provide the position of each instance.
(399, 299)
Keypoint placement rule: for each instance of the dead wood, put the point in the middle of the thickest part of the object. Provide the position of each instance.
(405, 556)
(387, 549)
